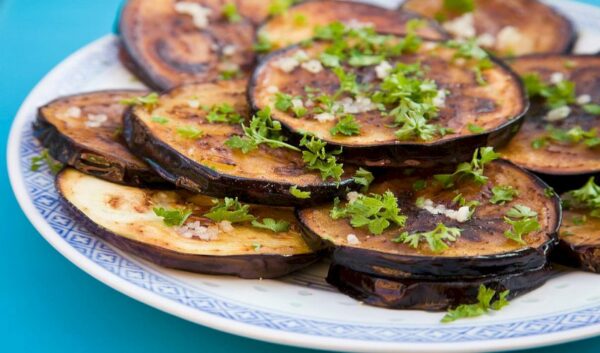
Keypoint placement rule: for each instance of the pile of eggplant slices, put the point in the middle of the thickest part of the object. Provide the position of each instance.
(422, 149)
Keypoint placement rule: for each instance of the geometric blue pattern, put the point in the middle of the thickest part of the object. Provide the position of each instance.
(40, 187)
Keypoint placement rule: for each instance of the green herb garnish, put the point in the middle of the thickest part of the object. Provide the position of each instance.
(502, 194)
(230, 209)
(189, 132)
(587, 197)
(172, 216)
(299, 194)
(347, 126)
(483, 305)
(459, 6)
(159, 120)
(45, 158)
(523, 220)
(276, 226)
(230, 12)
(556, 95)
(475, 129)
(223, 113)
(436, 239)
(149, 101)
(473, 170)
(363, 177)
(316, 157)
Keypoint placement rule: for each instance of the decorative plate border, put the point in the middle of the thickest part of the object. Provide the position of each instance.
(39, 200)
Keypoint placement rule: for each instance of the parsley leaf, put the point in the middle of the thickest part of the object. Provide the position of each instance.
(419, 185)
(230, 209)
(299, 194)
(587, 197)
(278, 7)
(523, 220)
(276, 226)
(189, 132)
(556, 95)
(230, 12)
(363, 177)
(459, 6)
(285, 102)
(316, 157)
(474, 170)
(149, 101)
(503, 193)
(436, 239)
(484, 303)
(262, 130)
(173, 216)
(223, 113)
(573, 135)
(475, 129)
(347, 125)
(263, 44)
(470, 50)
(44, 157)
(159, 120)
(593, 109)
(377, 212)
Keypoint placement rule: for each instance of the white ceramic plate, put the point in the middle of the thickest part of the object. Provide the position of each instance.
(301, 309)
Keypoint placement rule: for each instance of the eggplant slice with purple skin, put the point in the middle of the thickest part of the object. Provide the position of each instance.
(124, 217)
(170, 42)
(299, 22)
(468, 105)
(481, 250)
(429, 295)
(84, 131)
(506, 27)
(561, 163)
(206, 165)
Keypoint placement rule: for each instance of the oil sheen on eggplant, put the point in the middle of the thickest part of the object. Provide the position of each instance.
(66, 127)
(517, 27)
(468, 103)
(558, 163)
(123, 216)
(206, 165)
(428, 295)
(299, 21)
(167, 48)
(481, 250)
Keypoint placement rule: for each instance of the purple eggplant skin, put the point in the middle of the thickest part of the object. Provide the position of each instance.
(187, 174)
(583, 257)
(417, 294)
(413, 154)
(243, 266)
(71, 152)
(435, 267)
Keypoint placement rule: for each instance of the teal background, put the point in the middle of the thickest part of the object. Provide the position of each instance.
(46, 303)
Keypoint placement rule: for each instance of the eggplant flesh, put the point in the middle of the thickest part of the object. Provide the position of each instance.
(428, 295)
(579, 244)
(84, 131)
(167, 48)
(299, 22)
(206, 165)
(538, 28)
(561, 160)
(124, 217)
(481, 250)
(468, 103)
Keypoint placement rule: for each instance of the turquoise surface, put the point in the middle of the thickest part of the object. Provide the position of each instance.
(46, 303)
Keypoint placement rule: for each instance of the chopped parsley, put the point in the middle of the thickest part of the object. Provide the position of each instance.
(263, 44)
(223, 113)
(347, 126)
(572, 136)
(502, 194)
(556, 95)
(45, 158)
(419, 185)
(256, 246)
(363, 177)
(262, 130)
(172, 216)
(299, 194)
(475, 129)
(377, 212)
(483, 305)
(159, 120)
(278, 7)
(230, 12)
(459, 6)
(189, 132)
(229, 73)
(276, 226)
(300, 19)
(523, 220)
(587, 197)
(316, 157)
(149, 101)
(593, 109)
(436, 239)
(285, 102)
(231, 210)
(549, 192)
(473, 170)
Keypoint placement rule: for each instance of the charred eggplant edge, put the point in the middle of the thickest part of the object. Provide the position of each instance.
(68, 151)
(436, 153)
(191, 175)
(429, 295)
(243, 266)
(432, 267)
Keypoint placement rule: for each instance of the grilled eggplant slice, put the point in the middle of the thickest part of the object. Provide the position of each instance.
(299, 22)
(557, 161)
(481, 250)
(506, 27)
(173, 42)
(469, 104)
(579, 244)
(84, 131)
(124, 217)
(428, 295)
(207, 165)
